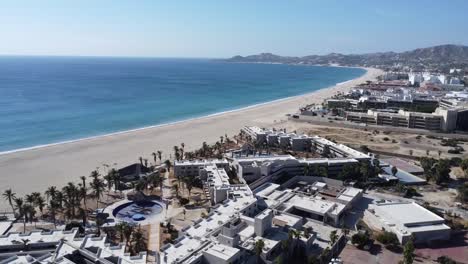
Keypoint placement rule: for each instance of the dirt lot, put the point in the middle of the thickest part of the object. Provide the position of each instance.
(393, 142)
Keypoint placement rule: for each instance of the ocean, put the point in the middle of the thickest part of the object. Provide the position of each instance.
(46, 100)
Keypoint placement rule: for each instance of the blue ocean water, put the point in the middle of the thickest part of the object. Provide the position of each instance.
(46, 100)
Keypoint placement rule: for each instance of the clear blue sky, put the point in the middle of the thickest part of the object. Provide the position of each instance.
(226, 28)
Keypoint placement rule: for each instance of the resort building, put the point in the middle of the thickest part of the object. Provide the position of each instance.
(191, 168)
(407, 219)
(217, 182)
(278, 139)
(305, 143)
(62, 247)
(254, 168)
(402, 118)
(133, 172)
(230, 231)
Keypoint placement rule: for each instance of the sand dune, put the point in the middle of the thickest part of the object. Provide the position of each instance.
(36, 169)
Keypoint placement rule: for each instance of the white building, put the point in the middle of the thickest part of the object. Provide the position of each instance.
(409, 219)
(191, 168)
(253, 168)
(59, 246)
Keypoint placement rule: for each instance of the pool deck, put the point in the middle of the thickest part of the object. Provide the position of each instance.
(153, 219)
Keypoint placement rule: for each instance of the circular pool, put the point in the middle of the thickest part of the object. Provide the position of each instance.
(137, 211)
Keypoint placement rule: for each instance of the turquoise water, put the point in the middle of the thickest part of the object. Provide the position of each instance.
(47, 100)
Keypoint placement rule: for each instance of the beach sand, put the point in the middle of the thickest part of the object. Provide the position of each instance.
(36, 169)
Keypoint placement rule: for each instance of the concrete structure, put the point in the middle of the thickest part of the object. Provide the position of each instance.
(278, 139)
(253, 168)
(191, 168)
(441, 120)
(409, 219)
(217, 182)
(62, 247)
(241, 217)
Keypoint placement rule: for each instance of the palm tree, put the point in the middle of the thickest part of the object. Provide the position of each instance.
(114, 178)
(259, 245)
(168, 165)
(19, 205)
(156, 180)
(182, 150)
(159, 155)
(155, 157)
(53, 207)
(127, 232)
(40, 202)
(120, 228)
(83, 191)
(94, 174)
(109, 181)
(10, 196)
(138, 241)
(176, 189)
(176, 153)
(141, 161)
(205, 148)
(51, 192)
(97, 185)
(333, 237)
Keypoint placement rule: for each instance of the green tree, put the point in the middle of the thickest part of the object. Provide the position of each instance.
(97, 185)
(159, 155)
(138, 241)
(442, 171)
(51, 192)
(259, 245)
(10, 196)
(408, 252)
(463, 193)
(360, 239)
(168, 165)
(333, 237)
(388, 239)
(464, 167)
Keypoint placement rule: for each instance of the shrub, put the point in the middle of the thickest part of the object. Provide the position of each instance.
(72, 225)
(365, 148)
(183, 201)
(360, 239)
(453, 151)
(386, 139)
(394, 141)
(410, 192)
(450, 142)
(388, 238)
(445, 260)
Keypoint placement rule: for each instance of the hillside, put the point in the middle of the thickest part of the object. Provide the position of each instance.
(441, 57)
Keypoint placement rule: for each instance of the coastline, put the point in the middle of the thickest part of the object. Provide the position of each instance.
(57, 163)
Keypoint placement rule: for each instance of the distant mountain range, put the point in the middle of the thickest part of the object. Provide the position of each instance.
(438, 56)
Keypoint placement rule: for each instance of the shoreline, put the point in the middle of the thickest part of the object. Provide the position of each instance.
(6, 152)
(36, 168)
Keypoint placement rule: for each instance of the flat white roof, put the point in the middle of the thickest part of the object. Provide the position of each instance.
(311, 204)
(37, 237)
(222, 252)
(201, 162)
(290, 220)
(406, 214)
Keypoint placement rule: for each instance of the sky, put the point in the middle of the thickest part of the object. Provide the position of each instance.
(220, 29)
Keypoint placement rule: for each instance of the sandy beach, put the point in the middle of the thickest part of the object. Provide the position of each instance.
(36, 169)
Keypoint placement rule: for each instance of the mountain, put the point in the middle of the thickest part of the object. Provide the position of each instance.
(442, 56)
